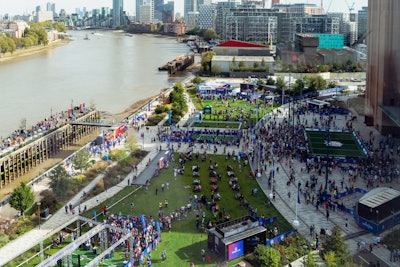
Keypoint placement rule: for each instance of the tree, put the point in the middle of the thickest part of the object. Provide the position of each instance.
(206, 60)
(216, 69)
(267, 256)
(210, 34)
(298, 86)
(81, 160)
(280, 84)
(335, 243)
(196, 80)
(131, 144)
(310, 261)
(42, 37)
(22, 198)
(330, 259)
(233, 64)
(59, 180)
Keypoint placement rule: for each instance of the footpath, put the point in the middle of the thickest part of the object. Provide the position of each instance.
(307, 215)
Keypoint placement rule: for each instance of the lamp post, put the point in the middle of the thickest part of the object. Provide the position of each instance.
(328, 143)
(38, 204)
(296, 221)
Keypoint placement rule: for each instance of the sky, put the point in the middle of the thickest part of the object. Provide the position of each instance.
(14, 7)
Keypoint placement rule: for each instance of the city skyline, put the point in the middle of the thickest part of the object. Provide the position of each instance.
(20, 7)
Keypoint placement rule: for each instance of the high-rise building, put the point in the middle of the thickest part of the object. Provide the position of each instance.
(249, 24)
(207, 14)
(168, 12)
(189, 6)
(362, 24)
(118, 13)
(382, 101)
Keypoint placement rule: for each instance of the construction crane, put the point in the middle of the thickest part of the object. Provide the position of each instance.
(351, 8)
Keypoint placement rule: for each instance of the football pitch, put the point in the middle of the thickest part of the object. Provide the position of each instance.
(335, 143)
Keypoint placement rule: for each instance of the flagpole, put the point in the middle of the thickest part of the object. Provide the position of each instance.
(296, 221)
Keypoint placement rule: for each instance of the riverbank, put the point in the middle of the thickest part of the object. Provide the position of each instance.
(23, 52)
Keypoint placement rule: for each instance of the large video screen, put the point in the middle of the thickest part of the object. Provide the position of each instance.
(235, 250)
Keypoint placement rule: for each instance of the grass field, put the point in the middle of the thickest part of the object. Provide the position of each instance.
(347, 145)
(184, 242)
(217, 124)
(239, 110)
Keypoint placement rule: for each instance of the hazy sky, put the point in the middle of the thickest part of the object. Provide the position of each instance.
(27, 6)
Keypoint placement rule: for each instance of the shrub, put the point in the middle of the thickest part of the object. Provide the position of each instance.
(161, 109)
(117, 155)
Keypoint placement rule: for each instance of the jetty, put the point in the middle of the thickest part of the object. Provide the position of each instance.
(25, 157)
(178, 64)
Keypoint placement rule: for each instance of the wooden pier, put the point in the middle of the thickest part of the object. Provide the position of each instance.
(22, 160)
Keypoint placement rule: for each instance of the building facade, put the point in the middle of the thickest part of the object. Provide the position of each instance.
(382, 101)
(207, 15)
(118, 13)
(362, 24)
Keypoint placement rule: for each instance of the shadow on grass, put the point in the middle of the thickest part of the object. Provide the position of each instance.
(192, 253)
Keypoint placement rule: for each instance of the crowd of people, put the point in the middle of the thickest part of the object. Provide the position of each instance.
(56, 120)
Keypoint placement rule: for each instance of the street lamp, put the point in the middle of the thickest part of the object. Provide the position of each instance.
(328, 143)
(296, 221)
(38, 204)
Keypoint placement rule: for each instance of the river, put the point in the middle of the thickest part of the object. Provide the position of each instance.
(111, 71)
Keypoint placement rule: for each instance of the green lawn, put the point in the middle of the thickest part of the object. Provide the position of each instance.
(184, 242)
(217, 124)
(238, 110)
(349, 148)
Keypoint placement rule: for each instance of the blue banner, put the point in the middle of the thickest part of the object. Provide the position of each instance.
(266, 221)
(280, 238)
(169, 116)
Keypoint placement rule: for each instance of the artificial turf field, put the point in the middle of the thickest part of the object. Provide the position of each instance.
(350, 147)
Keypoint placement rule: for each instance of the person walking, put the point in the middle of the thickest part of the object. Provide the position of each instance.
(164, 255)
(203, 254)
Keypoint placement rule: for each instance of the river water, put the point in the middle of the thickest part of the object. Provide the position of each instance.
(110, 70)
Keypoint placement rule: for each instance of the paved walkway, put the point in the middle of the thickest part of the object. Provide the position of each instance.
(306, 214)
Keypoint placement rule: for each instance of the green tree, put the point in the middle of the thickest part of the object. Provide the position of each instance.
(280, 84)
(59, 26)
(315, 83)
(206, 60)
(310, 261)
(59, 182)
(216, 70)
(80, 161)
(330, 259)
(131, 144)
(233, 64)
(22, 198)
(335, 243)
(210, 34)
(270, 81)
(196, 80)
(298, 86)
(42, 37)
(241, 65)
(267, 256)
